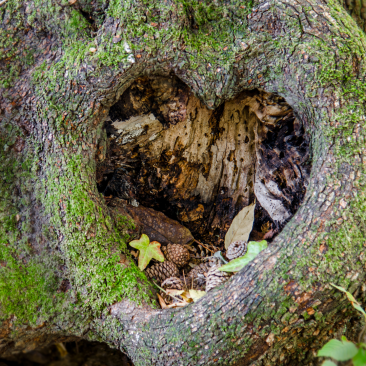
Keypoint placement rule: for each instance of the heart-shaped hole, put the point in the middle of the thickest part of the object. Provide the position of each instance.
(166, 150)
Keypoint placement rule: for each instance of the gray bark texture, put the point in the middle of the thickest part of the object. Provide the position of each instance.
(65, 271)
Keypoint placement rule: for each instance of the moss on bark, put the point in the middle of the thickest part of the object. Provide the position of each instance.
(311, 53)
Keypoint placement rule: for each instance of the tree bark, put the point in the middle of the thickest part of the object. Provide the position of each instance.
(65, 271)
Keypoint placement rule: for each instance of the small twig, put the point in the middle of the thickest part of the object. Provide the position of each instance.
(203, 246)
(166, 292)
(3, 2)
(184, 277)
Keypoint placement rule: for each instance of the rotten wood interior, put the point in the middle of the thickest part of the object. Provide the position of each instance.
(165, 150)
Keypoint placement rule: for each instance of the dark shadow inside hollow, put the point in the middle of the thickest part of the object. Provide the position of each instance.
(166, 150)
(79, 353)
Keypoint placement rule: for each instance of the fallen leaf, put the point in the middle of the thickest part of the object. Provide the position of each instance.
(186, 296)
(254, 248)
(174, 292)
(196, 294)
(61, 349)
(147, 251)
(71, 2)
(177, 305)
(266, 227)
(241, 226)
(162, 302)
(135, 254)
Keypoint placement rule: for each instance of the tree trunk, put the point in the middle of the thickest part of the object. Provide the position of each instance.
(65, 270)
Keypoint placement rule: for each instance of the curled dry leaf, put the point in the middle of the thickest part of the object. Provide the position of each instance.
(241, 226)
(186, 297)
(162, 302)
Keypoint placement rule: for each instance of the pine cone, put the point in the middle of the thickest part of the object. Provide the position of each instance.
(176, 253)
(173, 283)
(214, 262)
(215, 278)
(196, 278)
(202, 252)
(236, 249)
(162, 271)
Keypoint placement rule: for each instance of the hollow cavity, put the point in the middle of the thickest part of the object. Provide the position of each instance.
(166, 150)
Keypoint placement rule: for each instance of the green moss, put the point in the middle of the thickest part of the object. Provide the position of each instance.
(91, 244)
(27, 286)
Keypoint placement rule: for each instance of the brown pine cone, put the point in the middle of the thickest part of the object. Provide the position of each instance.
(176, 253)
(196, 278)
(162, 271)
(174, 283)
(213, 262)
(171, 283)
(215, 278)
(236, 249)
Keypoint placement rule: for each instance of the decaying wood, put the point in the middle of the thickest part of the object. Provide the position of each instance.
(154, 224)
(203, 166)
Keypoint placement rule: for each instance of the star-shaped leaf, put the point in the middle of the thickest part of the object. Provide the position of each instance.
(147, 251)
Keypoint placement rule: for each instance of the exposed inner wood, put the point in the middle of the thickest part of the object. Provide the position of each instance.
(164, 149)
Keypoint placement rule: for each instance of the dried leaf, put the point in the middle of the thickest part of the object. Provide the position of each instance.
(196, 294)
(174, 292)
(162, 302)
(147, 251)
(241, 226)
(186, 296)
(61, 349)
(177, 305)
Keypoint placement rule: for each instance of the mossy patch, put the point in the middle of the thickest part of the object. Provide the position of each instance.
(27, 286)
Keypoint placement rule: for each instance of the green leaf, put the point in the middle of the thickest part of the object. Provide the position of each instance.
(359, 308)
(254, 248)
(340, 351)
(360, 358)
(350, 297)
(328, 363)
(147, 251)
